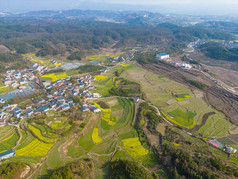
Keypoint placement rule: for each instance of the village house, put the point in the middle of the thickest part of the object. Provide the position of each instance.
(65, 107)
(29, 106)
(1, 115)
(136, 99)
(97, 95)
(17, 112)
(85, 108)
(7, 154)
(162, 56)
(2, 101)
(28, 113)
(94, 108)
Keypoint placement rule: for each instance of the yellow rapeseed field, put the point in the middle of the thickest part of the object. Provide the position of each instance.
(35, 148)
(180, 99)
(125, 65)
(100, 77)
(107, 115)
(54, 76)
(131, 142)
(96, 139)
(137, 151)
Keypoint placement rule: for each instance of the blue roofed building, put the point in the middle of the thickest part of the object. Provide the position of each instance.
(95, 63)
(7, 154)
(65, 107)
(28, 113)
(162, 56)
(46, 108)
(17, 112)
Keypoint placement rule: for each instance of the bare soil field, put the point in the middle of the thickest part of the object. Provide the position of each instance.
(229, 77)
(199, 57)
(4, 49)
(217, 97)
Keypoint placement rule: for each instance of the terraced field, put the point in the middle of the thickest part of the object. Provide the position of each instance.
(172, 97)
(105, 142)
(34, 149)
(9, 142)
(38, 134)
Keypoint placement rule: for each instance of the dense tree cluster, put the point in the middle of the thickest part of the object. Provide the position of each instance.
(76, 55)
(219, 52)
(90, 68)
(10, 170)
(127, 169)
(184, 164)
(197, 84)
(10, 57)
(78, 169)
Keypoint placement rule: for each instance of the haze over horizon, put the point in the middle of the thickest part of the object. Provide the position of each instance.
(190, 7)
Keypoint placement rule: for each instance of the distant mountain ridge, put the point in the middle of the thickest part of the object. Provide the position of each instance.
(138, 17)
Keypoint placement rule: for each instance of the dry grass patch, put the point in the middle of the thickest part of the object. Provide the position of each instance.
(161, 128)
(234, 131)
(118, 113)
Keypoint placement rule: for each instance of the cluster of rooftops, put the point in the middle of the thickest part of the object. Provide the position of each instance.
(59, 97)
(14, 78)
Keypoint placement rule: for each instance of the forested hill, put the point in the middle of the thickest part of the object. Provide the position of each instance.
(219, 52)
(185, 33)
(56, 38)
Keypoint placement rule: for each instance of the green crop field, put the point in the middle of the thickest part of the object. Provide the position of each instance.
(35, 148)
(26, 139)
(4, 90)
(37, 132)
(216, 126)
(46, 130)
(226, 141)
(86, 141)
(9, 143)
(6, 131)
(183, 118)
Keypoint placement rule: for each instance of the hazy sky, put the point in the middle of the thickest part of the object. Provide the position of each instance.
(170, 6)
